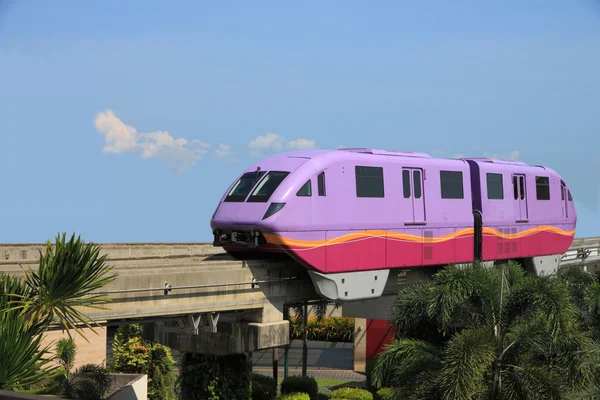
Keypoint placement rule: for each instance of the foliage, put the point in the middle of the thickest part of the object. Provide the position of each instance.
(134, 355)
(323, 393)
(479, 332)
(215, 377)
(66, 275)
(263, 387)
(299, 384)
(332, 329)
(294, 396)
(88, 382)
(352, 394)
(386, 394)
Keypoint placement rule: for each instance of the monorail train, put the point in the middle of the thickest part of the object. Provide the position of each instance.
(351, 215)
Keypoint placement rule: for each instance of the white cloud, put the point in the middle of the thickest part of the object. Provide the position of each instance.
(512, 156)
(176, 153)
(302, 144)
(268, 142)
(272, 143)
(224, 151)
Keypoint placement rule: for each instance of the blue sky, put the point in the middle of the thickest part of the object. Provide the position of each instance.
(124, 121)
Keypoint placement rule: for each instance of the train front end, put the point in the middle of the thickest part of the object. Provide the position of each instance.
(259, 193)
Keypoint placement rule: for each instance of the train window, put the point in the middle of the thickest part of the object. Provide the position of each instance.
(542, 187)
(452, 184)
(321, 183)
(263, 191)
(569, 196)
(306, 190)
(406, 183)
(243, 186)
(417, 183)
(515, 187)
(369, 181)
(495, 191)
(522, 186)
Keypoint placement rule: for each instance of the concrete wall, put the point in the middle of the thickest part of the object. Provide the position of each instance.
(93, 352)
(129, 387)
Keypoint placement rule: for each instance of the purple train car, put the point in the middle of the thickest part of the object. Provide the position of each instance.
(351, 215)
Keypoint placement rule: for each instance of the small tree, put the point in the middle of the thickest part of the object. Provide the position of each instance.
(88, 382)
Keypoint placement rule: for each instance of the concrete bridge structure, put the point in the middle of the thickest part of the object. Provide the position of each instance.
(194, 297)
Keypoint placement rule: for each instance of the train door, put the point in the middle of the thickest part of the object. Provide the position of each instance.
(520, 196)
(412, 184)
(564, 195)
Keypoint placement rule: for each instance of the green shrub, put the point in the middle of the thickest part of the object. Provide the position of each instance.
(263, 387)
(323, 393)
(132, 354)
(332, 329)
(294, 396)
(352, 394)
(386, 394)
(299, 384)
(207, 377)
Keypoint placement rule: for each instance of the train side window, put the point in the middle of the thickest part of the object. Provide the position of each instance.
(321, 183)
(406, 183)
(306, 190)
(369, 181)
(452, 184)
(569, 196)
(417, 183)
(515, 187)
(542, 187)
(522, 186)
(495, 191)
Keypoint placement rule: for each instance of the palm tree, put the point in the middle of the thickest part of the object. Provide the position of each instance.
(486, 332)
(67, 275)
(88, 382)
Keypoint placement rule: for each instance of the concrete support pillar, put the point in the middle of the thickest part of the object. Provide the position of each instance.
(360, 344)
(271, 312)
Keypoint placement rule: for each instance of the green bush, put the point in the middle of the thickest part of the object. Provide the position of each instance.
(332, 329)
(352, 394)
(323, 393)
(132, 354)
(386, 394)
(207, 377)
(299, 384)
(294, 396)
(263, 387)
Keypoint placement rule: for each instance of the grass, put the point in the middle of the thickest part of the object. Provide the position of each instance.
(335, 383)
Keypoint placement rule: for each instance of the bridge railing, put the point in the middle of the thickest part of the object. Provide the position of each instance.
(583, 250)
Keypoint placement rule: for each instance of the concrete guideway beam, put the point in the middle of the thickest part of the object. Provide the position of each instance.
(227, 336)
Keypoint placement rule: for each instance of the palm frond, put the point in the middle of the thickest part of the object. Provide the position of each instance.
(88, 382)
(467, 358)
(66, 276)
(23, 360)
(540, 294)
(401, 363)
(453, 287)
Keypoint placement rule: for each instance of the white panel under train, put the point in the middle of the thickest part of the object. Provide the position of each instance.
(357, 285)
(543, 265)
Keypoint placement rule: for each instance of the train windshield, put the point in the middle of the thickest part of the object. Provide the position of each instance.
(267, 186)
(243, 186)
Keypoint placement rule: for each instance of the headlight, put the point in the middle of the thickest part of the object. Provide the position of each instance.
(273, 208)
